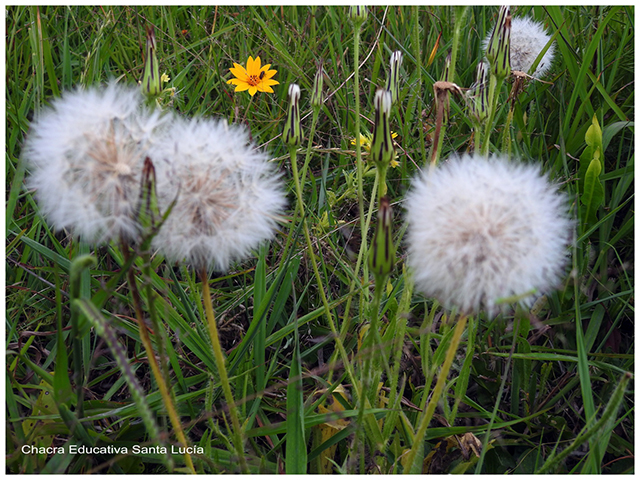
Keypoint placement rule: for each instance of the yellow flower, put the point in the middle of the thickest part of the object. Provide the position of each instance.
(365, 142)
(254, 78)
(165, 78)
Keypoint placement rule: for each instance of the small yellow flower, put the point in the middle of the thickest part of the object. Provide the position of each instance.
(254, 78)
(365, 142)
(165, 78)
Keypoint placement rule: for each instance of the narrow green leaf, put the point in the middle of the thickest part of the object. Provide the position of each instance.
(599, 427)
(296, 450)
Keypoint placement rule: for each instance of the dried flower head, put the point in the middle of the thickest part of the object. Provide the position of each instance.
(483, 230)
(528, 39)
(228, 194)
(85, 154)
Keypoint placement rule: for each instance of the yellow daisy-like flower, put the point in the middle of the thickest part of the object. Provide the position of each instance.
(254, 78)
(367, 139)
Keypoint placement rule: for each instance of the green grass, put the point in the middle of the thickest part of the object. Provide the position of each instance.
(562, 402)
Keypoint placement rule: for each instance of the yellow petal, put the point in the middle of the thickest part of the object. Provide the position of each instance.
(264, 88)
(252, 90)
(238, 71)
(241, 87)
(269, 74)
(253, 66)
(268, 82)
(236, 81)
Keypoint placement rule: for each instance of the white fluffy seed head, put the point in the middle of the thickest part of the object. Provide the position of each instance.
(482, 230)
(528, 38)
(85, 155)
(228, 194)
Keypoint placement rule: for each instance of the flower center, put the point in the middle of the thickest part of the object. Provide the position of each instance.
(254, 80)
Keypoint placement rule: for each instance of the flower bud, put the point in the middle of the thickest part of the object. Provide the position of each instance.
(149, 215)
(292, 133)
(393, 80)
(358, 15)
(151, 83)
(382, 254)
(382, 143)
(478, 95)
(498, 47)
(316, 96)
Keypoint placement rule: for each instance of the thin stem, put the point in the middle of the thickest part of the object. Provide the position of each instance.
(494, 414)
(437, 393)
(155, 369)
(495, 85)
(359, 165)
(316, 272)
(222, 370)
(417, 54)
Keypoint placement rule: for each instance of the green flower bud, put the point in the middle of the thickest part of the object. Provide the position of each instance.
(149, 215)
(382, 143)
(358, 15)
(151, 83)
(393, 80)
(478, 95)
(498, 48)
(292, 133)
(382, 254)
(316, 96)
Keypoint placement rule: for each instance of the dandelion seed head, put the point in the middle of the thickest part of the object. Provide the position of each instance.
(228, 194)
(85, 156)
(481, 230)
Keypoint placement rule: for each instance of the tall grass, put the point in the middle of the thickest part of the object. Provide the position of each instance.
(547, 393)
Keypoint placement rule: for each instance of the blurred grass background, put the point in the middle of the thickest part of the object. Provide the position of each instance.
(569, 358)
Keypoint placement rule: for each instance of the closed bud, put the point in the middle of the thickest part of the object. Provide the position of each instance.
(498, 47)
(478, 95)
(151, 83)
(316, 95)
(382, 143)
(292, 133)
(393, 80)
(358, 15)
(382, 254)
(149, 215)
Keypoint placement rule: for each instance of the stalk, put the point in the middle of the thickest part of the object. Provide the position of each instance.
(437, 393)
(153, 364)
(222, 370)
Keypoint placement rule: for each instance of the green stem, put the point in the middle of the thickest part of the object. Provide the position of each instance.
(316, 272)
(495, 85)
(222, 370)
(435, 397)
(359, 165)
(153, 364)
(417, 55)
(506, 135)
(460, 19)
(346, 321)
(494, 414)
